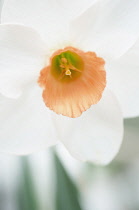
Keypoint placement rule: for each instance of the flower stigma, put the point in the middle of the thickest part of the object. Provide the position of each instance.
(73, 81)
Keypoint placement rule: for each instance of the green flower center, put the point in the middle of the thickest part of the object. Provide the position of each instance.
(67, 66)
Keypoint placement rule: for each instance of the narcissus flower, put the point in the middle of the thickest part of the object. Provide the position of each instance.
(65, 56)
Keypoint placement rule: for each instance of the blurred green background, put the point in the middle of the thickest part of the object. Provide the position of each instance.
(53, 180)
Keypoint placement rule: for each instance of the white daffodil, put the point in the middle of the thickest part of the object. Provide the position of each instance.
(49, 61)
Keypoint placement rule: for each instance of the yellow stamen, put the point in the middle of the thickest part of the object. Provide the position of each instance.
(67, 67)
(68, 72)
(64, 60)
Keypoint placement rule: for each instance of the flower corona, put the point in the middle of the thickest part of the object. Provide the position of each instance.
(73, 81)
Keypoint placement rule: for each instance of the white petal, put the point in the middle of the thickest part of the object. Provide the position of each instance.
(50, 17)
(123, 79)
(72, 165)
(109, 27)
(22, 56)
(73, 8)
(95, 136)
(25, 124)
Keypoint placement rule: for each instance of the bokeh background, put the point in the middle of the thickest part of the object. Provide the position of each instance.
(53, 180)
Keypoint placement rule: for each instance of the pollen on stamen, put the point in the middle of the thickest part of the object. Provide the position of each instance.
(73, 81)
(68, 72)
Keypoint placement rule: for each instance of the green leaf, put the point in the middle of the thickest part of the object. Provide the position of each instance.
(26, 197)
(66, 191)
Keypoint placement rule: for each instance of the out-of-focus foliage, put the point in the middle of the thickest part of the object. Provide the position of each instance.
(29, 183)
(129, 150)
(66, 191)
(26, 195)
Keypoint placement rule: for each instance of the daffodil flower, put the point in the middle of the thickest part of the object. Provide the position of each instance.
(75, 58)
